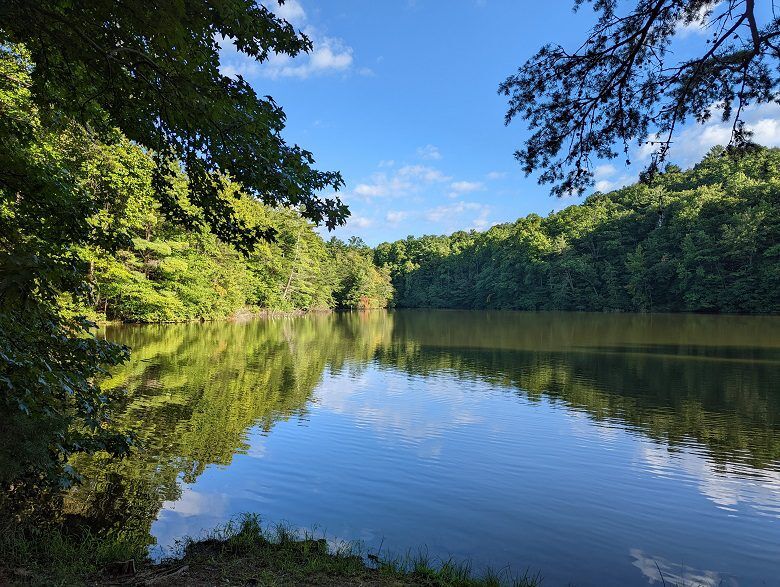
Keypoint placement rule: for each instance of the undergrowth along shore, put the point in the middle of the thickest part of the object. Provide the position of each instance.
(240, 552)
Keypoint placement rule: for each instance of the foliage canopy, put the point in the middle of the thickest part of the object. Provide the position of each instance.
(153, 71)
(122, 140)
(702, 240)
(625, 85)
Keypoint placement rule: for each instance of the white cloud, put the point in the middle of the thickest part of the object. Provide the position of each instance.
(463, 187)
(481, 222)
(410, 185)
(329, 55)
(693, 142)
(371, 190)
(291, 10)
(603, 171)
(422, 173)
(360, 221)
(396, 216)
(602, 175)
(494, 175)
(451, 216)
(408, 179)
(429, 152)
(604, 185)
(446, 213)
(766, 131)
(698, 26)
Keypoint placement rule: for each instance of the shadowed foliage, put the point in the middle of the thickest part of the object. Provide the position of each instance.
(625, 84)
(701, 240)
(112, 113)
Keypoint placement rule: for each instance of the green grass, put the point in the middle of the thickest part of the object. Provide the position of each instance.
(245, 552)
(240, 552)
(49, 556)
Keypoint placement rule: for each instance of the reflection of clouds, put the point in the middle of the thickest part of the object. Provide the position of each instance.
(419, 412)
(725, 484)
(195, 503)
(660, 570)
(257, 448)
(583, 425)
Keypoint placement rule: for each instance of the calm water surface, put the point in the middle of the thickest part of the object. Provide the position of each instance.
(594, 448)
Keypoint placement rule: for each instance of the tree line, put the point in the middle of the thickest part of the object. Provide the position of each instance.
(138, 210)
(165, 272)
(133, 172)
(702, 240)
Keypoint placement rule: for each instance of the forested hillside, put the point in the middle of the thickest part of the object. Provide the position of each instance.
(702, 240)
(167, 273)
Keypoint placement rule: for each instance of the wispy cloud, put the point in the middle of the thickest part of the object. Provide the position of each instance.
(291, 10)
(446, 212)
(693, 142)
(424, 173)
(360, 222)
(330, 54)
(429, 152)
(406, 180)
(370, 190)
(395, 195)
(460, 214)
(396, 216)
(463, 187)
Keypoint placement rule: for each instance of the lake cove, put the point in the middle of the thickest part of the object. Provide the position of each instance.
(596, 449)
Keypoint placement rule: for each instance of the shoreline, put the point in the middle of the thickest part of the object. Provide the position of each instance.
(243, 315)
(240, 552)
(240, 316)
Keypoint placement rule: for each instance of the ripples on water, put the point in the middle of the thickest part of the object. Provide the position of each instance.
(597, 449)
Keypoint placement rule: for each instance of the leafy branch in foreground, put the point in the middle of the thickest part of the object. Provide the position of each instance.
(76, 79)
(624, 85)
(153, 71)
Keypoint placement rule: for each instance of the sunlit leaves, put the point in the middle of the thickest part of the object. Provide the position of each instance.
(700, 240)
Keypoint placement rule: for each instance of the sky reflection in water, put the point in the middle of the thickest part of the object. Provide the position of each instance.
(598, 449)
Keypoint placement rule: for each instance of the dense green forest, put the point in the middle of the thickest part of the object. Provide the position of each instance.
(702, 240)
(141, 210)
(167, 273)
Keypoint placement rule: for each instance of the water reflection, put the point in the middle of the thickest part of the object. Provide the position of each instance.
(727, 485)
(550, 440)
(661, 571)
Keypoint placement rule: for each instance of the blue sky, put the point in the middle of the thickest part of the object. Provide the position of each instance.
(400, 96)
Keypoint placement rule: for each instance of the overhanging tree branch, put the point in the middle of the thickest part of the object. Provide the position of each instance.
(621, 86)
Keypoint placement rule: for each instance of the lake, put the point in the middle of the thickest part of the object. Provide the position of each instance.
(596, 449)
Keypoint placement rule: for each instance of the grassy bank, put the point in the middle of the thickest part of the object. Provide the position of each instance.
(239, 553)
